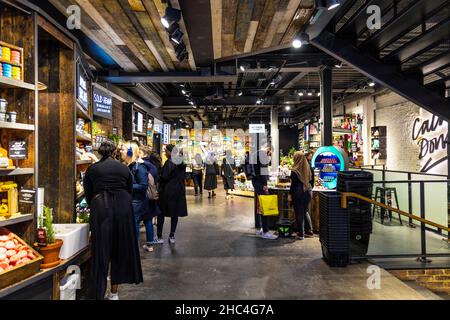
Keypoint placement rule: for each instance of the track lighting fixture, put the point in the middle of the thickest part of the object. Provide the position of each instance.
(172, 16)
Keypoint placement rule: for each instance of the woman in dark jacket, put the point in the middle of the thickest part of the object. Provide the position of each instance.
(227, 174)
(211, 172)
(172, 194)
(108, 186)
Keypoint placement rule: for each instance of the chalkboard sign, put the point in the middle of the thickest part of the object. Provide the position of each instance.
(102, 104)
(18, 149)
(27, 196)
(82, 88)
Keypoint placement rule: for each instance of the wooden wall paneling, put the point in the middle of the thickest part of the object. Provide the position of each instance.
(243, 19)
(258, 9)
(136, 5)
(229, 12)
(275, 23)
(51, 29)
(283, 25)
(264, 23)
(132, 45)
(303, 14)
(216, 22)
(155, 18)
(144, 26)
(93, 31)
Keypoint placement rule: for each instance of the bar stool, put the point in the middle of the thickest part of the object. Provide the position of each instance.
(383, 195)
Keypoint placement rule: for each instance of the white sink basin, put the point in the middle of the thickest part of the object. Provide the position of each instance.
(75, 237)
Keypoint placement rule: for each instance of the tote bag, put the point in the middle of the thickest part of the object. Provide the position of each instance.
(268, 205)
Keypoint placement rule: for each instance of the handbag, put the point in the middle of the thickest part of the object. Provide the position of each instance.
(268, 205)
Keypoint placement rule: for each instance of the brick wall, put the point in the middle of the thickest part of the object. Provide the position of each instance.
(437, 280)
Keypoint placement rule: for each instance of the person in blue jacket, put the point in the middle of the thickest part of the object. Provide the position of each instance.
(141, 205)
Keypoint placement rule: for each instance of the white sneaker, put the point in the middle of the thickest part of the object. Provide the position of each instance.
(158, 241)
(113, 296)
(148, 247)
(259, 232)
(269, 236)
(227, 197)
(172, 240)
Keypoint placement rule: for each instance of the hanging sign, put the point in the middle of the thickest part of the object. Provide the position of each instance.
(166, 133)
(327, 162)
(18, 149)
(102, 104)
(27, 196)
(82, 89)
(257, 128)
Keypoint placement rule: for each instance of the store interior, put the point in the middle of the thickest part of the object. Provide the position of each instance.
(270, 76)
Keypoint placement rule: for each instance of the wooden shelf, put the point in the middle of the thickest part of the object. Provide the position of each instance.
(11, 83)
(16, 220)
(139, 134)
(16, 126)
(341, 130)
(11, 63)
(82, 113)
(81, 162)
(80, 195)
(81, 137)
(16, 171)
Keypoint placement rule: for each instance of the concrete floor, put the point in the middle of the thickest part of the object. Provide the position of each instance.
(217, 256)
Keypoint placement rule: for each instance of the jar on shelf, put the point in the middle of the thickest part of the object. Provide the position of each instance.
(3, 105)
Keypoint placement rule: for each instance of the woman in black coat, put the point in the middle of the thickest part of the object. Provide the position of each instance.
(211, 172)
(108, 186)
(172, 194)
(227, 174)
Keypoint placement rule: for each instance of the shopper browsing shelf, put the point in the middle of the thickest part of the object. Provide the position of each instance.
(172, 194)
(108, 185)
(300, 193)
(227, 174)
(211, 173)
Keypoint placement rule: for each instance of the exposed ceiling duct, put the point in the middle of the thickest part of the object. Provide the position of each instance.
(147, 94)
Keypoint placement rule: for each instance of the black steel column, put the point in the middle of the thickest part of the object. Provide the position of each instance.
(326, 106)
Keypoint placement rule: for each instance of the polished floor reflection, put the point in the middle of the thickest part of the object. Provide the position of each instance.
(217, 256)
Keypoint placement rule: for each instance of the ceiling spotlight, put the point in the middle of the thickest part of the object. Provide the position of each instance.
(215, 108)
(191, 103)
(371, 84)
(287, 108)
(297, 43)
(272, 83)
(242, 67)
(333, 4)
(259, 101)
(181, 120)
(184, 92)
(240, 93)
(187, 126)
(172, 16)
(310, 93)
(177, 36)
(338, 65)
(300, 93)
(318, 94)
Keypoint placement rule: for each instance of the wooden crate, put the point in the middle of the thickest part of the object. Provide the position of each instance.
(21, 272)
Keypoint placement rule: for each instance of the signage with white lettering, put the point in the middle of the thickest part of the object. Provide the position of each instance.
(18, 149)
(257, 128)
(166, 134)
(102, 104)
(82, 89)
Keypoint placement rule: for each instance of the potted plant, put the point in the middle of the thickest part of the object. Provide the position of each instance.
(51, 248)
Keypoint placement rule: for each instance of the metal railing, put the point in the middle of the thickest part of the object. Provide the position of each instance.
(422, 218)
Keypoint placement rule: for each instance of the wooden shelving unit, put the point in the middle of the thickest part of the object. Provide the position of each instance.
(129, 119)
(81, 137)
(16, 171)
(17, 126)
(15, 84)
(83, 162)
(16, 220)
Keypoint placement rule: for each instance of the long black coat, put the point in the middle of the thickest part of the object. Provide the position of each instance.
(211, 172)
(108, 186)
(172, 197)
(227, 176)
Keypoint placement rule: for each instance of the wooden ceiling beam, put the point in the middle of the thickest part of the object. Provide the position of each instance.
(270, 8)
(289, 15)
(258, 9)
(229, 10)
(243, 20)
(216, 23)
(301, 17)
(94, 32)
(275, 23)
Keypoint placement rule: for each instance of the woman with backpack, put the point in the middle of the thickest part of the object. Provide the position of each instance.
(141, 204)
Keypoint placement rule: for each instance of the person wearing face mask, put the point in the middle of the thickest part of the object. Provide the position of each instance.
(172, 193)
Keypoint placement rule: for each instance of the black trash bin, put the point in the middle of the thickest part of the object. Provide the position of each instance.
(359, 211)
(334, 230)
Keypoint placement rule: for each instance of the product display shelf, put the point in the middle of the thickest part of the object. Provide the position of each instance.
(12, 83)
(83, 113)
(16, 220)
(10, 62)
(81, 137)
(341, 130)
(140, 134)
(15, 171)
(82, 162)
(17, 126)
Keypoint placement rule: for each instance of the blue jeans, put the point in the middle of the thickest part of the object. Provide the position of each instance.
(148, 228)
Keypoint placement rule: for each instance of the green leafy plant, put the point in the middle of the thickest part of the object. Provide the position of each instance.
(96, 130)
(48, 225)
